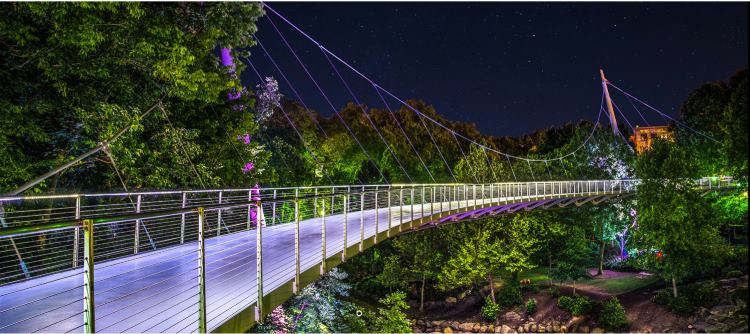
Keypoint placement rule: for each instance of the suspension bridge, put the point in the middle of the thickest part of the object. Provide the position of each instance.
(219, 260)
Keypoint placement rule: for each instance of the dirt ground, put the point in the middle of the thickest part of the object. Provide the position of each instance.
(643, 314)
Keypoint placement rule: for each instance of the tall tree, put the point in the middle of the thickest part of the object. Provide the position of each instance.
(673, 218)
(74, 74)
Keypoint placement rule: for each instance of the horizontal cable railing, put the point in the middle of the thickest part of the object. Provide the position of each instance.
(199, 253)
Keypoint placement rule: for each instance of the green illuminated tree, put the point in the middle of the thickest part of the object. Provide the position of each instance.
(673, 217)
(74, 74)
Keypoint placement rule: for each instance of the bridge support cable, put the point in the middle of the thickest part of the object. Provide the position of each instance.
(638, 111)
(96, 149)
(661, 113)
(291, 86)
(325, 96)
(453, 176)
(474, 173)
(398, 123)
(511, 168)
(489, 164)
(136, 206)
(302, 138)
(302, 101)
(546, 166)
(325, 50)
(619, 111)
(364, 112)
(190, 160)
(531, 170)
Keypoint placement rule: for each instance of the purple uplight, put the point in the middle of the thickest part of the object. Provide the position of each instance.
(244, 138)
(255, 192)
(226, 58)
(247, 167)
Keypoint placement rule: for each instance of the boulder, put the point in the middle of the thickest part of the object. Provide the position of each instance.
(476, 328)
(512, 316)
(483, 329)
(541, 329)
(563, 329)
(555, 327)
(437, 323)
(447, 330)
(583, 329)
(722, 310)
(451, 300)
(505, 329)
(466, 327)
(520, 329)
(463, 295)
(597, 330)
(490, 328)
(527, 328)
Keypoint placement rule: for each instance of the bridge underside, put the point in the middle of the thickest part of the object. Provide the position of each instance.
(507, 208)
(157, 291)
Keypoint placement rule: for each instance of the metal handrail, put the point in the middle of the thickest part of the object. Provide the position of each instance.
(164, 218)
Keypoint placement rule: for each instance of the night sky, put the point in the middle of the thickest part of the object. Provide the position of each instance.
(511, 68)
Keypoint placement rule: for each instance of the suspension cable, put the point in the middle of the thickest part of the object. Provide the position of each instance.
(302, 138)
(393, 115)
(465, 159)
(364, 112)
(661, 113)
(438, 149)
(327, 99)
(295, 27)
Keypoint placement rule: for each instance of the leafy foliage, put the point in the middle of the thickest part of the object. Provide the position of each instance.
(531, 306)
(509, 295)
(673, 217)
(392, 318)
(74, 74)
(613, 316)
(577, 305)
(490, 310)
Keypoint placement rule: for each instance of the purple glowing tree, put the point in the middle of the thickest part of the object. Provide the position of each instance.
(269, 99)
(622, 236)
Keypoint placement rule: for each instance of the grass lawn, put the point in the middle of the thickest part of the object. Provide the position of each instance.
(615, 286)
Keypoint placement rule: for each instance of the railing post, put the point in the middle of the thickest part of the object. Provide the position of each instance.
(442, 199)
(182, 219)
(323, 237)
(249, 208)
(400, 208)
(421, 216)
(377, 216)
(362, 219)
(483, 194)
(346, 223)
(76, 232)
(202, 328)
(390, 219)
(273, 209)
(449, 190)
(474, 194)
(315, 203)
(89, 320)
(218, 215)
(296, 287)
(411, 221)
(432, 204)
(136, 239)
(259, 261)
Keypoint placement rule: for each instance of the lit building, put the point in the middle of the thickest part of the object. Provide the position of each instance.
(643, 136)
